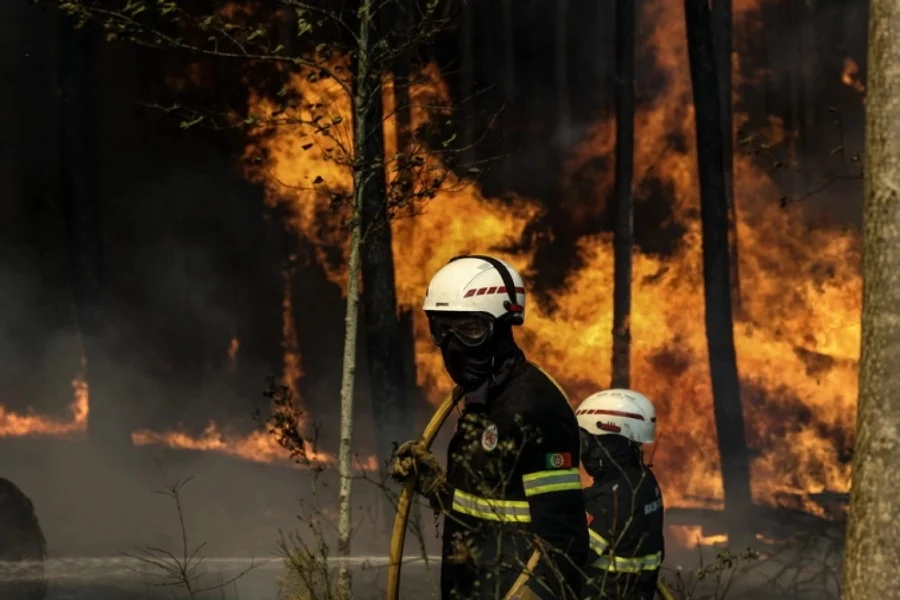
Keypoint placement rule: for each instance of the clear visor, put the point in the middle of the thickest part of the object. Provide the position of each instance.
(470, 329)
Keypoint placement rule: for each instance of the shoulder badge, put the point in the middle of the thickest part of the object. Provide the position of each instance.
(489, 437)
(559, 460)
(590, 519)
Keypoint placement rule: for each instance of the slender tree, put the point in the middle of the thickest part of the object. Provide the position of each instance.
(714, 216)
(78, 195)
(562, 67)
(722, 41)
(623, 240)
(509, 78)
(467, 78)
(872, 550)
(383, 333)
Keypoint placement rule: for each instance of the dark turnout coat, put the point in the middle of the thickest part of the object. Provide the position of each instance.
(513, 473)
(625, 520)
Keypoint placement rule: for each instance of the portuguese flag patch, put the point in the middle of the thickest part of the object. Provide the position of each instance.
(559, 460)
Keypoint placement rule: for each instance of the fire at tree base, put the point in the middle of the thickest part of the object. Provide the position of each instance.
(22, 546)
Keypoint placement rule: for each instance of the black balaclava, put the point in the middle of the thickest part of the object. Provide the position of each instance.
(600, 454)
(472, 368)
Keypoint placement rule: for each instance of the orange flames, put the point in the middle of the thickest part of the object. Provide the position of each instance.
(691, 536)
(797, 343)
(258, 447)
(233, 348)
(797, 340)
(850, 76)
(32, 424)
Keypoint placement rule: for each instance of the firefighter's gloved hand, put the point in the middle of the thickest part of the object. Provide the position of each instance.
(412, 459)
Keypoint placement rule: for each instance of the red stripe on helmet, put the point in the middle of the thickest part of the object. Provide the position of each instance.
(618, 413)
(489, 291)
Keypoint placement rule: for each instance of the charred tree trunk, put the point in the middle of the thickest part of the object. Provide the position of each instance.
(467, 77)
(563, 116)
(722, 41)
(384, 336)
(399, 17)
(623, 240)
(509, 84)
(79, 198)
(872, 551)
(714, 216)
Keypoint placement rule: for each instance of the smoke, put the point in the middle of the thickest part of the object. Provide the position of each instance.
(195, 260)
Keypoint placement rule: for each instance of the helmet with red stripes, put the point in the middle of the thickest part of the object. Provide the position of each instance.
(478, 284)
(618, 412)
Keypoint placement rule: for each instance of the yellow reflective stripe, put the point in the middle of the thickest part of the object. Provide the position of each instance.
(617, 564)
(557, 480)
(598, 542)
(510, 511)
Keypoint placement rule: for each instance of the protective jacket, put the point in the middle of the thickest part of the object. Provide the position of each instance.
(512, 470)
(625, 520)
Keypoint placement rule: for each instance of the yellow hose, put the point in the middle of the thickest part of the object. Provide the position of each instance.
(663, 590)
(398, 536)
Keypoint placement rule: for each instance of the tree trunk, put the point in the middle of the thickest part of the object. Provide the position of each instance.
(402, 69)
(384, 334)
(623, 240)
(362, 96)
(400, 15)
(563, 115)
(79, 198)
(509, 85)
(872, 551)
(467, 76)
(714, 216)
(348, 375)
(722, 41)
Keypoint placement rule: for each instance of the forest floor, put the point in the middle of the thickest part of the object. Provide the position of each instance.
(94, 507)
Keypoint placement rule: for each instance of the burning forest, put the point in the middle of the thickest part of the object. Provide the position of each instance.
(187, 264)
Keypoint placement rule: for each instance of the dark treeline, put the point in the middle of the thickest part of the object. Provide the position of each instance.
(191, 257)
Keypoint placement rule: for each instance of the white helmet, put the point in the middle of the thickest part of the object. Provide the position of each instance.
(618, 412)
(477, 284)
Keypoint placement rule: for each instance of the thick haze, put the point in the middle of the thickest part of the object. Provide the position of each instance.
(194, 259)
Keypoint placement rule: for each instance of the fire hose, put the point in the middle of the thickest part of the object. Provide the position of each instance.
(404, 503)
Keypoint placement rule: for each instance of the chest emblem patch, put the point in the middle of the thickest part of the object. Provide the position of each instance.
(489, 438)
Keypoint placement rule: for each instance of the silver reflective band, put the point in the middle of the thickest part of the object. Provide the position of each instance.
(512, 511)
(543, 482)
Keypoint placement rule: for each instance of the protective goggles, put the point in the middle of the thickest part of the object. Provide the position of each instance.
(472, 330)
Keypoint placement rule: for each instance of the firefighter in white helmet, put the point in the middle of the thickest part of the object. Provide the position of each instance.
(624, 504)
(512, 483)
